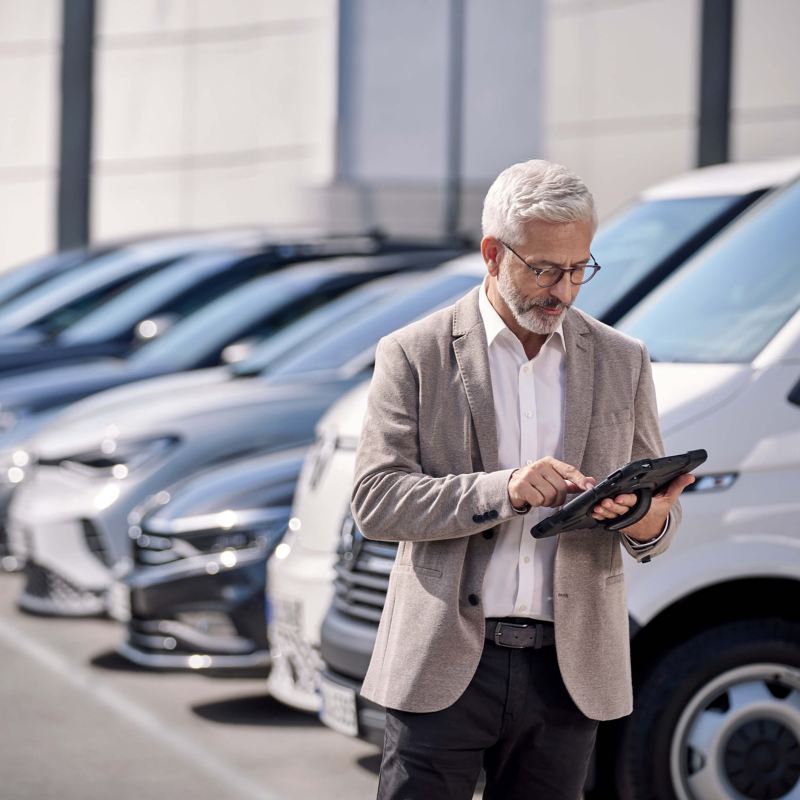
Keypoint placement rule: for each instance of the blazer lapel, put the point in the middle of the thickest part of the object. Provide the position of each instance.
(579, 387)
(469, 344)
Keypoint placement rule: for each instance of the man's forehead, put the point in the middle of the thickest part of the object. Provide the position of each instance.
(560, 241)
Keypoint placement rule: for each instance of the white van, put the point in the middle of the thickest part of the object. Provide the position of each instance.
(715, 622)
(300, 573)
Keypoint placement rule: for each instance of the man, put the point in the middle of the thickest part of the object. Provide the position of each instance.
(496, 650)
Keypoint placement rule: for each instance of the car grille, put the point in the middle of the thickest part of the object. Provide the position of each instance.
(42, 582)
(95, 543)
(362, 574)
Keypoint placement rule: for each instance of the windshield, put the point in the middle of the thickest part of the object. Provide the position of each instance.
(632, 244)
(178, 291)
(54, 305)
(728, 301)
(336, 351)
(259, 308)
(323, 320)
(20, 279)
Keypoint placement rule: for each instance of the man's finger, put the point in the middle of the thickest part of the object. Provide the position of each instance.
(545, 488)
(677, 485)
(572, 487)
(570, 473)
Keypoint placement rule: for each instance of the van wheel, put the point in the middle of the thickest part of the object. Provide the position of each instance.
(717, 718)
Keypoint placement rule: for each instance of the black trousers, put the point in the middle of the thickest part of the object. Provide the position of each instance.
(515, 719)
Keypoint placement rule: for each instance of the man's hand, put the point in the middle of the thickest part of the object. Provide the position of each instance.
(545, 482)
(652, 523)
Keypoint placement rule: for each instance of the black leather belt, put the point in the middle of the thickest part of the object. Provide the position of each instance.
(518, 633)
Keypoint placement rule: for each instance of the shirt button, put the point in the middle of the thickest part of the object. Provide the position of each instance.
(526, 368)
(522, 608)
(473, 599)
(528, 414)
(527, 559)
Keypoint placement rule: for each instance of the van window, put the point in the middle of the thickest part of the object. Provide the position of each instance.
(728, 301)
(632, 244)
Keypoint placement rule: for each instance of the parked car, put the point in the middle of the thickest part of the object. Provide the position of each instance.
(89, 468)
(145, 310)
(653, 235)
(159, 587)
(64, 297)
(194, 596)
(715, 629)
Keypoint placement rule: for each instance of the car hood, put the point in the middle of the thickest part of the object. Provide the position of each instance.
(136, 393)
(56, 386)
(687, 392)
(185, 412)
(242, 483)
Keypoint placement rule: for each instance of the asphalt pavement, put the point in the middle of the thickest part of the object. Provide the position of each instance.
(79, 723)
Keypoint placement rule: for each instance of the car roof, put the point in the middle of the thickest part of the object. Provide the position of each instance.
(726, 179)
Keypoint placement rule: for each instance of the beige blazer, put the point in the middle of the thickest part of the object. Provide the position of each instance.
(427, 477)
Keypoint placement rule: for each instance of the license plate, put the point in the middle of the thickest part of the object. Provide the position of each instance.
(118, 602)
(339, 708)
(287, 613)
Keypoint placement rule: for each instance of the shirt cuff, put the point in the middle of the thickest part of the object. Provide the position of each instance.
(637, 545)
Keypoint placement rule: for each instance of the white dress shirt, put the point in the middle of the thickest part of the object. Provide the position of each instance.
(529, 412)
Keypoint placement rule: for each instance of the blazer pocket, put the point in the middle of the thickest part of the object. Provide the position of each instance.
(414, 569)
(617, 417)
(612, 579)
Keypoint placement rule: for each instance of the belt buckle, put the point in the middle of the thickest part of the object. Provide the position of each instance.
(498, 633)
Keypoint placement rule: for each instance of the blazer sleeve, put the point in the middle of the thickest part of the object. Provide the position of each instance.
(392, 498)
(647, 443)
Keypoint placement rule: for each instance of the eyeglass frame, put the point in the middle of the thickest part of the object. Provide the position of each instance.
(537, 271)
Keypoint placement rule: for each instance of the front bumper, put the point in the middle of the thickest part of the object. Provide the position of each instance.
(202, 613)
(371, 717)
(50, 594)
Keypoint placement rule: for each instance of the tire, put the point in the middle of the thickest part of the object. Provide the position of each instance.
(717, 718)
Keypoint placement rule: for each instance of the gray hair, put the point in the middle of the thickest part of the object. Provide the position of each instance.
(535, 189)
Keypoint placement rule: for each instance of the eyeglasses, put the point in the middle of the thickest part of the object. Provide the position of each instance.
(550, 276)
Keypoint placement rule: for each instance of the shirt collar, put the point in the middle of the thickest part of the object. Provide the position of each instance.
(494, 325)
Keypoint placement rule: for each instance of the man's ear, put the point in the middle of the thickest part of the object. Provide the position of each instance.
(490, 250)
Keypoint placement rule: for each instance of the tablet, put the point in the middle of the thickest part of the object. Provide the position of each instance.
(644, 478)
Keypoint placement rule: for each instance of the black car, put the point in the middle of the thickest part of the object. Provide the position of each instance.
(194, 598)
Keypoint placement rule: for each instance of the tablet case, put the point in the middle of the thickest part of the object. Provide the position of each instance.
(644, 478)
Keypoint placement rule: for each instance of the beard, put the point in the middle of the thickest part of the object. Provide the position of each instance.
(526, 310)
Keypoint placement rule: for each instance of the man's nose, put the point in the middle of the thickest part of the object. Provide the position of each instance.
(563, 289)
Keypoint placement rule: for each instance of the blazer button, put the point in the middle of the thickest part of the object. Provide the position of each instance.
(474, 599)
(488, 534)
(477, 518)
(493, 514)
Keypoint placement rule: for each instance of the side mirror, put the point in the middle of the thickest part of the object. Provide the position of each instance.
(238, 351)
(154, 327)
